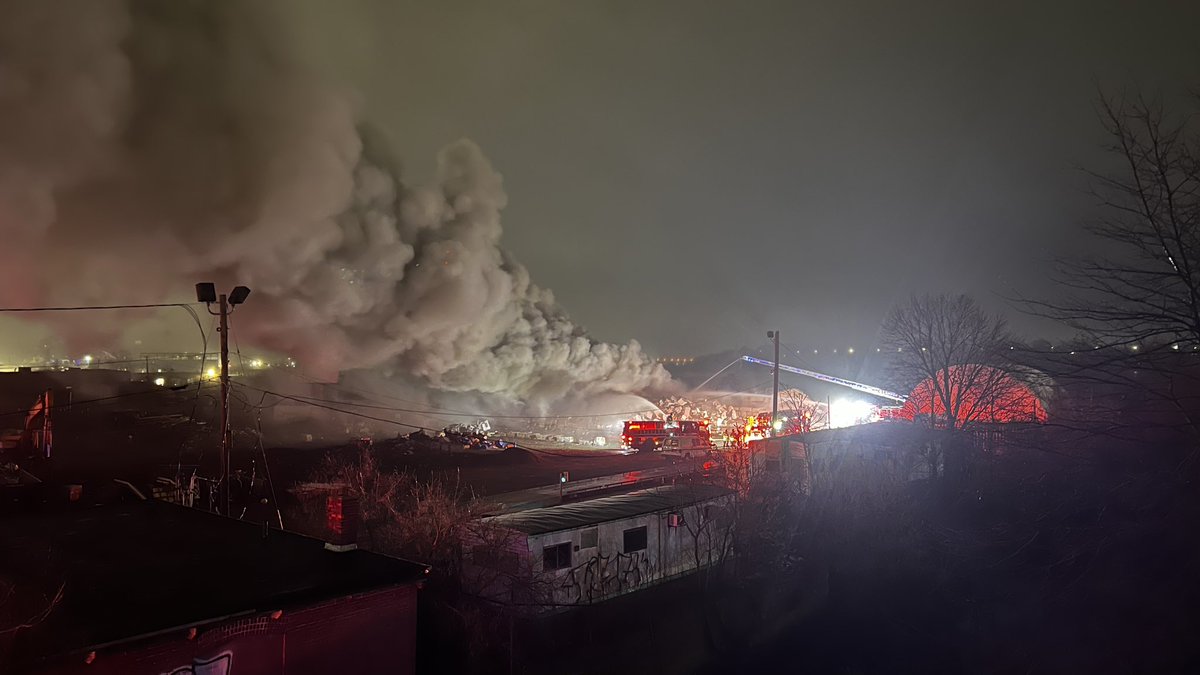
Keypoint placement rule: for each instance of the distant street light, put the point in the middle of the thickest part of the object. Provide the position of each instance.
(206, 292)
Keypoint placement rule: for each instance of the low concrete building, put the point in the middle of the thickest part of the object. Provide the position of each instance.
(586, 552)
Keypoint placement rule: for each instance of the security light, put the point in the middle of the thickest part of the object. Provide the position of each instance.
(206, 292)
(239, 295)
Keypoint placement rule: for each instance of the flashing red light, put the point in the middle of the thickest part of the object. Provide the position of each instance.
(334, 515)
(708, 466)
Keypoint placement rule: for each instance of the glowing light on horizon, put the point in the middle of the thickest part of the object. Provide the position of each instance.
(849, 412)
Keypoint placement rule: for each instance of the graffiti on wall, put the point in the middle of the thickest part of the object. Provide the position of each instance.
(603, 576)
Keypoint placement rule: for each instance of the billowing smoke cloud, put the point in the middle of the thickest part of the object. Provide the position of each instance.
(146, 145)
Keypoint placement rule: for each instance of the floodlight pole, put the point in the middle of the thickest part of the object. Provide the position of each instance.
(226, 494)
(775, 382)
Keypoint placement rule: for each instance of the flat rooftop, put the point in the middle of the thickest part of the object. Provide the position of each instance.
(130, 570)
(606, 509)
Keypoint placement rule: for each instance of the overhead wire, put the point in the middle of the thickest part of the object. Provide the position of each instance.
(84, 308)
(334, 409)
(449, 412)
(436, 413)
(266, 465)
(341, 387)
(258, 436)
(91, 401)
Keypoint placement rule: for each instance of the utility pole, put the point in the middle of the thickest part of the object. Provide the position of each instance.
(774, 334)
(226, 439)
(206, 292)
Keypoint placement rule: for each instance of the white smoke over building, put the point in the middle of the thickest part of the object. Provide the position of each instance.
(147, 145)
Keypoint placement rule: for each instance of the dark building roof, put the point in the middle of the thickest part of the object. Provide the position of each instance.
(605, 509)
(130, 570)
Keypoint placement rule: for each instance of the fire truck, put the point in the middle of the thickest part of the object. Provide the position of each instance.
(685, 439)
(790, 422)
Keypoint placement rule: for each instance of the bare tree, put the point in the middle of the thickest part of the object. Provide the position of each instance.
(1147, 288)
(1137, 302)
(955, 353)
(804, 412)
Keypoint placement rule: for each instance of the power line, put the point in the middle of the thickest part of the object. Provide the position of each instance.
(444, 412)
(83, 308)
(317, 404)
(352, 390)
(329, 407)
(92, 364)
(102, 399)
(450, 413)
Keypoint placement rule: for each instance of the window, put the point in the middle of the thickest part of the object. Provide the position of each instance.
(556, 557)
(588, 538)
(635, 539)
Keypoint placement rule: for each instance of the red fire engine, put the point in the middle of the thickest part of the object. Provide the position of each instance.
(683, 438)
(790, 422)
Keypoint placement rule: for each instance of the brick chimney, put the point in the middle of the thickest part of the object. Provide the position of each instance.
(341, 520)
(337, 511)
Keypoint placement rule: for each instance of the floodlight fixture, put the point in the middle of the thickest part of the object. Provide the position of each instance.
(239, 295)
(206, 291)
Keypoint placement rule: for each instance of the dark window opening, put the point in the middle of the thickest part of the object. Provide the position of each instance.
(556, 557)
(635, 539)
(588, 538)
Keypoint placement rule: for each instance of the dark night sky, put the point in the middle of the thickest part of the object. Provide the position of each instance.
(690, 174)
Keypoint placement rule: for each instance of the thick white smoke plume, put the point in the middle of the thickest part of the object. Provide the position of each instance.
(147, 145)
